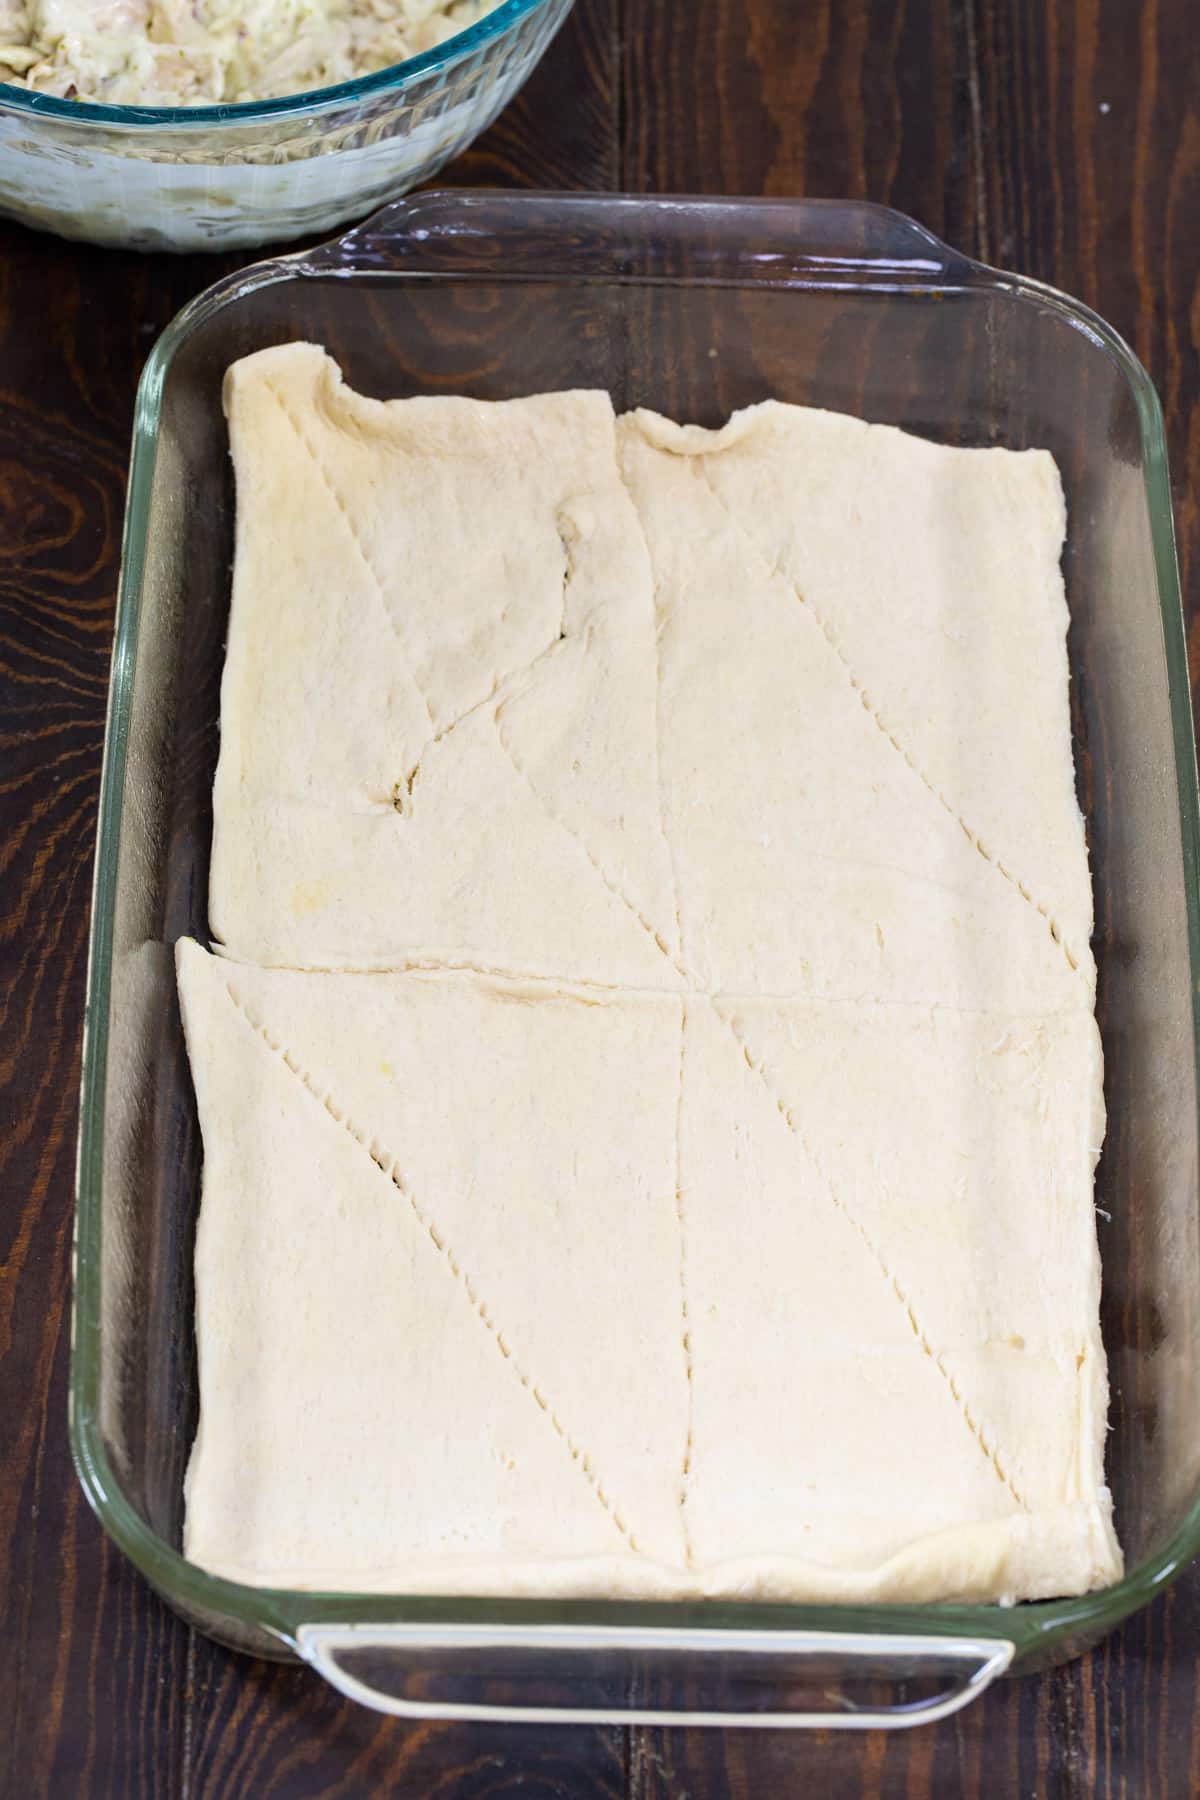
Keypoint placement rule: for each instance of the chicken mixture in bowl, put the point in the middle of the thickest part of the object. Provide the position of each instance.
(202, 52)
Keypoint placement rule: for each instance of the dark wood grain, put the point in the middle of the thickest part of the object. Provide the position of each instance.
(1061, 137)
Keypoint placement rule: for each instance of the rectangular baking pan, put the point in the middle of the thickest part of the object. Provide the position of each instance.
(693, 307)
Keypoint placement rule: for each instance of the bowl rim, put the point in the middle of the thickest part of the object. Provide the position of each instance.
(247, 112)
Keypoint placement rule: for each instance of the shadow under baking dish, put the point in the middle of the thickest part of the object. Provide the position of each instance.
(693, 308)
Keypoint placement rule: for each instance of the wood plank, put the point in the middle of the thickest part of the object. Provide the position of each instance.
(279, 1733)
(1113, 214)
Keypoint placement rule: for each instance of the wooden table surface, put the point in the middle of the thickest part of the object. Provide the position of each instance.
(1058, 137)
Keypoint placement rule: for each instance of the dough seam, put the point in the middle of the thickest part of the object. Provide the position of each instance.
(657, 626)
(775, 572)
(436, 962)
(347, 518)
(937, 1358)
(568, 568)
(387, 1166)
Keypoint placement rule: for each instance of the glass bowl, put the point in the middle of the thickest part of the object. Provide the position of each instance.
(224, 177)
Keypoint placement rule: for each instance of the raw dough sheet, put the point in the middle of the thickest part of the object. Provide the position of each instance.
(649, 1081)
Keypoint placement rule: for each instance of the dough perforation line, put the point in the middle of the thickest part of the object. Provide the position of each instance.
(774, 572)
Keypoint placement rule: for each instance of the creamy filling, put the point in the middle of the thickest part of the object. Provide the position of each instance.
(201, 52)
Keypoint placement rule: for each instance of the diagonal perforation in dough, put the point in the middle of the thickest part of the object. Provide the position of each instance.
(387, 1165)
(613, 887)
(347, 518)
(658, 779)
(775, 573)
(937, 1358)
(658, 627)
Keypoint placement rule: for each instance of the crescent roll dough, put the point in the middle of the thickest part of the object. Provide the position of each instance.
(648, 1078)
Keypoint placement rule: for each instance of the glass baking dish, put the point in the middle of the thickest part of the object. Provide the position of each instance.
(261, 171)
(693, 307)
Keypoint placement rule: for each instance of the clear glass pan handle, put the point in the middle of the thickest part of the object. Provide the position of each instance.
(566, 1674)
(540, 236)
